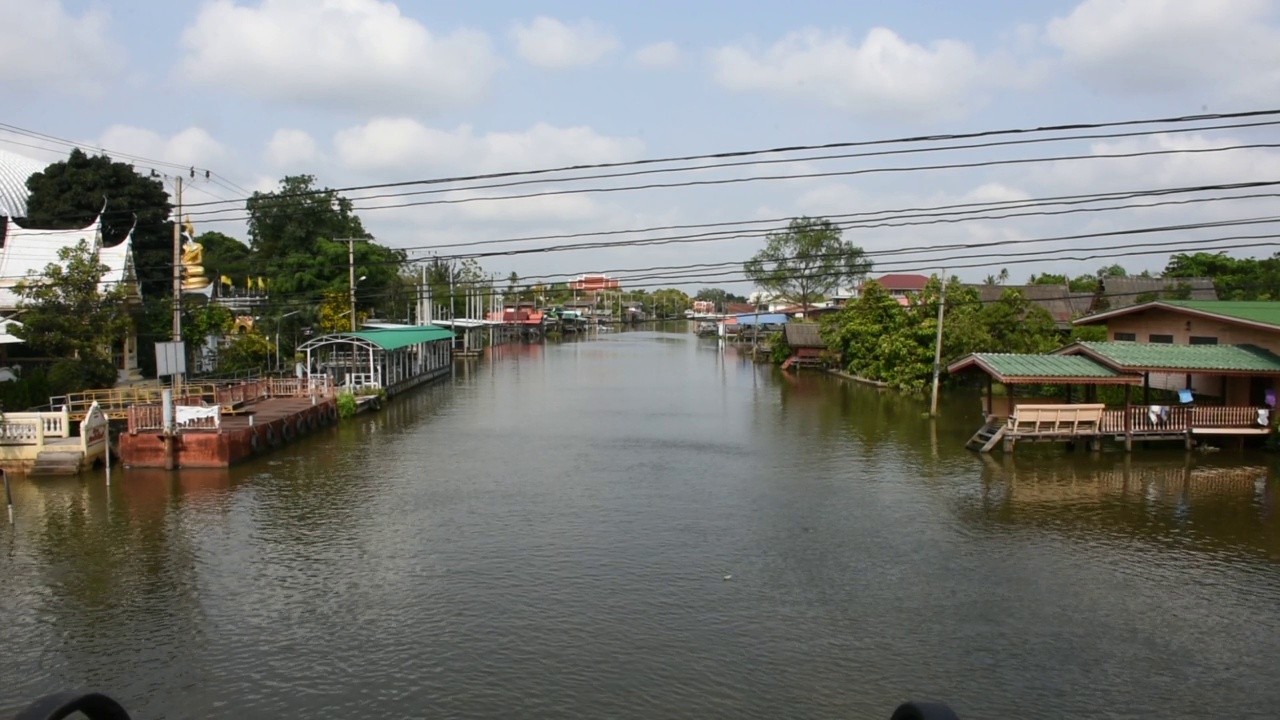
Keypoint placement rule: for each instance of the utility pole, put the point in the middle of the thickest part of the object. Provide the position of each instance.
(177, 274)
(937, 349)
(351, 280)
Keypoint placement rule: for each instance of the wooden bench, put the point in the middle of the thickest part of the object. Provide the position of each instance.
(1002, 407)
(1055, 420)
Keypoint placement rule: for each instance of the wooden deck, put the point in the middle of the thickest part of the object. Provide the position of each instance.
(1091, 423)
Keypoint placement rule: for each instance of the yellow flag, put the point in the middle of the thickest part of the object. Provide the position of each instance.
(226, 281)
(262, 285)
(248, 284)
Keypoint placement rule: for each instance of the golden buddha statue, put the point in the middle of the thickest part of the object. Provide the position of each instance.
(193, 279)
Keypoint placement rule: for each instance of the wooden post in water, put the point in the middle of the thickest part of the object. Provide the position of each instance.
(937, 350)
(8, 494)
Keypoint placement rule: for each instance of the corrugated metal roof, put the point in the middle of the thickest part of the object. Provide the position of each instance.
(396, 338)
(14, 171)
(1259, 311)
(1189, 358)
(804, 335)
(762, 318)
(1125, 291)
(1009, 366)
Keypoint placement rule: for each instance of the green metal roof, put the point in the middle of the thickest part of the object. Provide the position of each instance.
(395, 338)
(1258, 311)
(1009, 367)
(1159, 356)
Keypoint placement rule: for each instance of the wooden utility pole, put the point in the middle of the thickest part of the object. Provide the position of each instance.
(937, 349)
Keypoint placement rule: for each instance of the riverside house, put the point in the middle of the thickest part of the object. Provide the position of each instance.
(1190, 369)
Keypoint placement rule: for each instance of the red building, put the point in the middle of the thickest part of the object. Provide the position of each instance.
(594, 283)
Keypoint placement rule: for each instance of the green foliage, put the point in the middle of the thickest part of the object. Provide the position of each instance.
(807, 260)
(77, 374)
(719, 296)
(346, 405)
(244, 351)
(670, 301)
(201, 321)
(879, 339)
(779, 349)
(297, 237)
(1233, 278)
(70, 194)
(66, 315)
(30, 390)
(227, 256)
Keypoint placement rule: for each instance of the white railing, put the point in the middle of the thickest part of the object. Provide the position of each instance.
(33, 428)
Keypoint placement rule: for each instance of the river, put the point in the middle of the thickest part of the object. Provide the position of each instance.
(638, 526)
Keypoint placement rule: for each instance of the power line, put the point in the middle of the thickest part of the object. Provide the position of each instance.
(206, 215)
(805, 148)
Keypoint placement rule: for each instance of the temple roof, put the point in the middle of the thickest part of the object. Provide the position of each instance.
(26, 253)
(14, 171)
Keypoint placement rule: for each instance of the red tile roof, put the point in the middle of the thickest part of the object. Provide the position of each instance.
(902, 282)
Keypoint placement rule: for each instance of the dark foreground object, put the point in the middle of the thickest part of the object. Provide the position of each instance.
(96, 706)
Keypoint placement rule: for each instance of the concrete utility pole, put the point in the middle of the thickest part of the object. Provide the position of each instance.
(351, 279)
(177, 275)
(177, 266)
(937, 349)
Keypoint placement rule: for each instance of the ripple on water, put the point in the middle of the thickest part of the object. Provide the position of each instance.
(548, 537)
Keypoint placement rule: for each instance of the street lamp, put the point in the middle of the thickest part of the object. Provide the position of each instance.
(278, 320)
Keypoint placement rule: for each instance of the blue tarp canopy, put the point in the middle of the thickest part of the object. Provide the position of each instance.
(762, 318)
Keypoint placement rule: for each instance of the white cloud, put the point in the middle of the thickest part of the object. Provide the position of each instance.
(335, 53)
(659, 55)
(1219, 48)
(883, 76)
(42, 45)
(289, 147)
(192, 146)
(403, 145)
(549, 43)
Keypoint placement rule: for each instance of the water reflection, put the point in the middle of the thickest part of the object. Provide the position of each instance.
(1173, 499)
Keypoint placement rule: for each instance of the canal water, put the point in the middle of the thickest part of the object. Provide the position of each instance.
(639, 526)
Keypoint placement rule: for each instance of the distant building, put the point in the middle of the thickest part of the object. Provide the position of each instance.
(901, 286)
(1058, 300)
(1121, 292)
(594, 283)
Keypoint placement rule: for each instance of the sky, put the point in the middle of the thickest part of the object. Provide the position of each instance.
(364, 92)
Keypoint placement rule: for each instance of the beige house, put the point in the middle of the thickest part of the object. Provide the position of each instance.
(1253, 324)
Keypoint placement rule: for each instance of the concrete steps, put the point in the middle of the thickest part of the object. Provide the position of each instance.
(57, 462)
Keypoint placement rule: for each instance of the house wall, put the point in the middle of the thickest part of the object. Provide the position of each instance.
(1233, 390)
(1184, 327)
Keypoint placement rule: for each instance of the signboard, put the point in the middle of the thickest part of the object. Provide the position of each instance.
(171, 358)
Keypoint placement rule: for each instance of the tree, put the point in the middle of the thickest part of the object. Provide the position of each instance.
(670, 301)
(70, 194)
(334, 313)
(291, 220)
(225, 255)
(807, 260)
(67, 315)
(1233, 278)
(244, 351)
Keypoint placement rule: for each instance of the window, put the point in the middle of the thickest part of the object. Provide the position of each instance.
(1165, 339)
(1125, 337)
(1201, 340)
